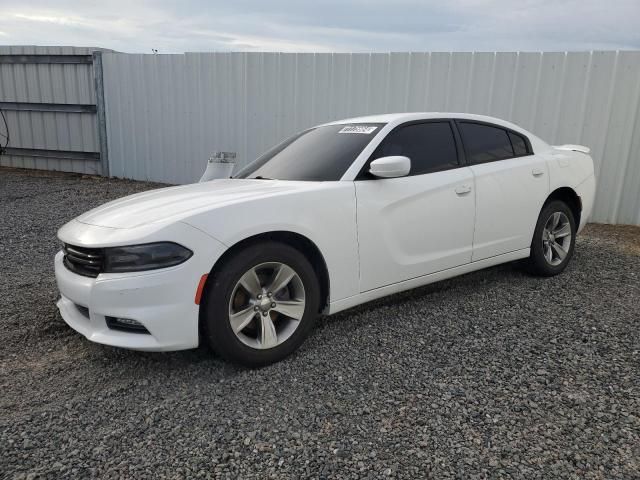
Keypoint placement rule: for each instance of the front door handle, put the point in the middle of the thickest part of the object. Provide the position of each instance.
(537, 172)
(463, 189)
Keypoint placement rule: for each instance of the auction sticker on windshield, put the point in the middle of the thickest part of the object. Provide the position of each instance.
(358, 129)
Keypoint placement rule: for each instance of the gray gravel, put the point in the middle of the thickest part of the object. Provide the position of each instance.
(492, 375)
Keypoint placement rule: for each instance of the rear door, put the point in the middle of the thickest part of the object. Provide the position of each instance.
(511, 185)
(419, 224)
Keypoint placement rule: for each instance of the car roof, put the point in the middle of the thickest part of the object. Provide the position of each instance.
(409, 116)
(394, 119)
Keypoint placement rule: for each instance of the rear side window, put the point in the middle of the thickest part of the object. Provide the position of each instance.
(430, 146)
(484, 143)
(519, 144)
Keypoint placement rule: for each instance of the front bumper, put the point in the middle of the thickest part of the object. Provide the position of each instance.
(163, 301)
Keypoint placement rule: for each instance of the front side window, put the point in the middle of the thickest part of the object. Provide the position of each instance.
(484, 143)
(318, 154)
(430, 146)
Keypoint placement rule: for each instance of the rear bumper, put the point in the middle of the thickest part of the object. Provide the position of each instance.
(586, 191)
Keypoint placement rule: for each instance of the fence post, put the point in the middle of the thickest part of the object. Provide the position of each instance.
(101, 116)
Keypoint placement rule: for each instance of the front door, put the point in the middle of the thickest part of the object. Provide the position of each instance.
(419, 224)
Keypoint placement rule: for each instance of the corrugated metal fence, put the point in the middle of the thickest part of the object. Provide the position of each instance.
(49, 99)
(167, 113)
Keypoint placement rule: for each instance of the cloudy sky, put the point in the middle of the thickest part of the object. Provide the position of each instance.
(298, 25)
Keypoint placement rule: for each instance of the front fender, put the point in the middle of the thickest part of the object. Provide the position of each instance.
(326, 216)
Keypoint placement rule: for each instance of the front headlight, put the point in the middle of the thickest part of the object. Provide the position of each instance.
(150, 256)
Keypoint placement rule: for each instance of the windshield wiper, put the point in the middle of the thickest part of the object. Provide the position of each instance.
(260, 177)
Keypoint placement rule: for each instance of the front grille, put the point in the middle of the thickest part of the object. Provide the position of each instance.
(83, 261)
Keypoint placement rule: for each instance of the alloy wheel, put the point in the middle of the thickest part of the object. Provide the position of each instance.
(266, 305)
(556, 238)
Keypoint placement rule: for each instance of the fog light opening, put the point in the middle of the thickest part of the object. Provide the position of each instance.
(126, 325)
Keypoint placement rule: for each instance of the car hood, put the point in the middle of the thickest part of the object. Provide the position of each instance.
(175, 203)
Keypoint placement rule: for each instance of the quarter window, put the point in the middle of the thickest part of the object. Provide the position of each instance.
(430, 146)
(519, 144)
(484, 143)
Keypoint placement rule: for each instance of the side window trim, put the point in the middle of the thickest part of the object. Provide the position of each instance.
(457, 142)
(527, 142)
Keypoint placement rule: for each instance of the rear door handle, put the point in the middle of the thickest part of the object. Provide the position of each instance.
(537, 172)
(463, 189)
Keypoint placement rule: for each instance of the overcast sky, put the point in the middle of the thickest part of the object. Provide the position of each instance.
(352, 26)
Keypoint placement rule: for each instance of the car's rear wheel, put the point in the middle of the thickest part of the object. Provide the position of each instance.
(261, 304)
(553, 239)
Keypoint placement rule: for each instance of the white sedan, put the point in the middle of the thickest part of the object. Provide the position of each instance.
(335, 216)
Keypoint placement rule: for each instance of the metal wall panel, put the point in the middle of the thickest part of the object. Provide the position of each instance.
(49, 83)
(166, 114)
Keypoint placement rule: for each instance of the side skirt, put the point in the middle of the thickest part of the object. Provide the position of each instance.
(369, 295)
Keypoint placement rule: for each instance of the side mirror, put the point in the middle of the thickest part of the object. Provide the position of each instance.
(390, 167)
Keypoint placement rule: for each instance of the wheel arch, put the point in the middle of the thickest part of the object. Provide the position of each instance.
(569, 196)
(300, 242)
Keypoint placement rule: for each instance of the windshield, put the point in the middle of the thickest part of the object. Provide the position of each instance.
(318, 154)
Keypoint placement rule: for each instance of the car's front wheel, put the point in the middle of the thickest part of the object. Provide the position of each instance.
(261, 304)
(553, 239)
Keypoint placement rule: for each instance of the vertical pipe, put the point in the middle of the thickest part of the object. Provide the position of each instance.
(101, 117)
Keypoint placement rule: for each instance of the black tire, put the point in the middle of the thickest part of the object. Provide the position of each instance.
(537, 263)
(217, 297)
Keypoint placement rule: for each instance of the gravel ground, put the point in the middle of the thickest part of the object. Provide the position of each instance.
(495, 374)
